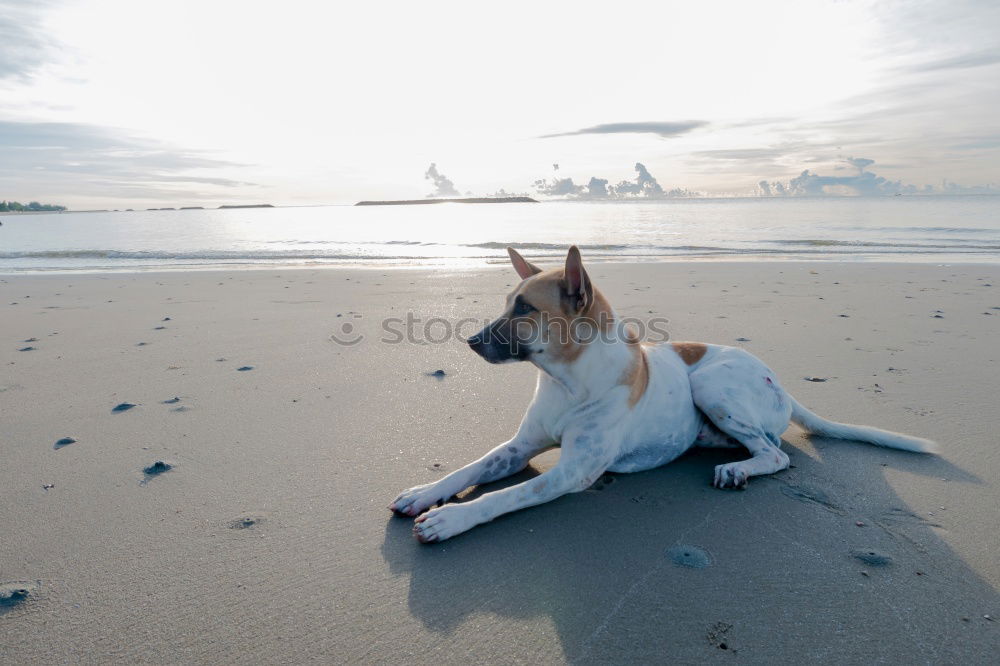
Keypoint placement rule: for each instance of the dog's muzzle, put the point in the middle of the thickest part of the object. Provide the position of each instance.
(496, 344)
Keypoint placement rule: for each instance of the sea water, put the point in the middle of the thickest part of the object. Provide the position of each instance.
(939, 229)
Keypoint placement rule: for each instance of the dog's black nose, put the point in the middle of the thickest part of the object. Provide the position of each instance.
(476, 342)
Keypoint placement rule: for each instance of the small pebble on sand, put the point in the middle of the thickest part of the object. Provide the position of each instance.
(158, 467)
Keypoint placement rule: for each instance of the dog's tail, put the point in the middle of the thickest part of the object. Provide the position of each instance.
(817, 425)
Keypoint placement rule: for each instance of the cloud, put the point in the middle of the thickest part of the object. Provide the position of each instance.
(860, 162)
(63, 159)
(865, 183)
(744, 162)
(964, 61)
(664, 129)
(443, 187)
(954, 188)
(644, 186)
(559, 187)
(740, 154)
(24, 46)
(975, 143)
(597, 188)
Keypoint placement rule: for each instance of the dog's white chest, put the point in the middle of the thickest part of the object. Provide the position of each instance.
(659, 428)
(665, 423)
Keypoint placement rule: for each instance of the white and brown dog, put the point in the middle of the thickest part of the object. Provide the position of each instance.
(615, 404)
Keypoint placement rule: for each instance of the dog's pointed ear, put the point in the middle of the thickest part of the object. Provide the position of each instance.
(523, 268)
(578, 287)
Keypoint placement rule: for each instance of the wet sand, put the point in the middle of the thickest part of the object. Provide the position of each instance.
(235, 512)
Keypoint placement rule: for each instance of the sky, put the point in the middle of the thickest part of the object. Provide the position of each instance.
(125, 103)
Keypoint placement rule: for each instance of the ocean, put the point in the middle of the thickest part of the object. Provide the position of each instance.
(938, 229)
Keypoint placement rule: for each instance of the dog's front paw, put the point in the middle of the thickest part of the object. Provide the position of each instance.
(416, 500)
(730, 475)
(442, 523)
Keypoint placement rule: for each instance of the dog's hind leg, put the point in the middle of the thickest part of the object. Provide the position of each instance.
(505, 460)
(738, 421)
(766, 459)
(741, 398)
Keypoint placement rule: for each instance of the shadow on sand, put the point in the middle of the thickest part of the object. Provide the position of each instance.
(791, 573)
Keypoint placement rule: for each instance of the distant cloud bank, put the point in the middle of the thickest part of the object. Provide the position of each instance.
(23, 44)
(81, 159)
(864, 183)
(644, 186)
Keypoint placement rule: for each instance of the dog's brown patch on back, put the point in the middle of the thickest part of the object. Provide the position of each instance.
(637, 375)
(690, 352)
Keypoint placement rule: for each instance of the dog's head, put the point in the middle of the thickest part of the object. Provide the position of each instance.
(549, 317)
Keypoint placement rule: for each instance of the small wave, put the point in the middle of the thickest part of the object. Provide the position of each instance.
(207, 255)
(382, 252)
(494, 245)
(822, 242)
(943, 230)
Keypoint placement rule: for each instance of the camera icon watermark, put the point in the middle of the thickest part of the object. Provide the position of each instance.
(348, 333)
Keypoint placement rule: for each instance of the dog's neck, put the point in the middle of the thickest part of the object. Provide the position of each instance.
(598, 368)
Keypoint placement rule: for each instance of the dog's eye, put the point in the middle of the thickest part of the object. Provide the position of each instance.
(522, 308)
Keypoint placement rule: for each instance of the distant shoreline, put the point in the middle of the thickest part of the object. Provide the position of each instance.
(466, 200)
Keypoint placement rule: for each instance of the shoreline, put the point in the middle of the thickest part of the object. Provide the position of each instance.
(479, 264)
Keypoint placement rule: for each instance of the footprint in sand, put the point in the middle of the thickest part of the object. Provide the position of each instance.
(872, 558)
(689, 556)
(16, 593)
(716, 635)
(245, 522)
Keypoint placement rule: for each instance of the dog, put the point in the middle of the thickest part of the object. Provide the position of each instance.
(613, 403)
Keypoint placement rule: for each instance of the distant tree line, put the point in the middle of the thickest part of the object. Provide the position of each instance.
(16, 206)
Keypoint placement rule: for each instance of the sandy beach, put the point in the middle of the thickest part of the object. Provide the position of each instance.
(268, 539)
